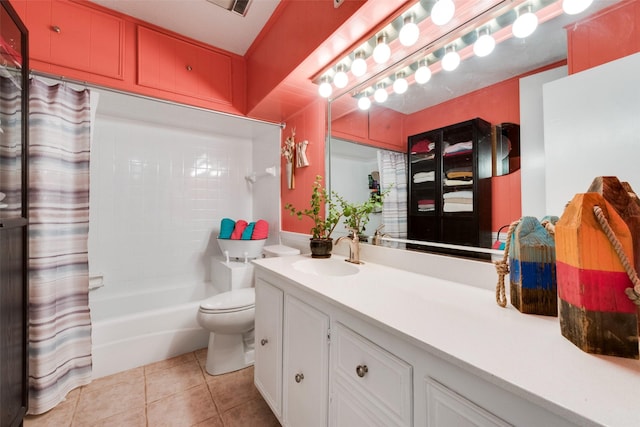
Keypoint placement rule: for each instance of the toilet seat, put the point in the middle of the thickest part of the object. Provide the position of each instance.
(229, 302)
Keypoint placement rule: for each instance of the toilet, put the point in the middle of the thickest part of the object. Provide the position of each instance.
(229, 316)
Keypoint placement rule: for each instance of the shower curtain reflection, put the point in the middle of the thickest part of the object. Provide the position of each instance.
(393, 176)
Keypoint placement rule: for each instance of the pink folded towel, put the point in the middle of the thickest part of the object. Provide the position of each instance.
(260, 230)
(241, 224)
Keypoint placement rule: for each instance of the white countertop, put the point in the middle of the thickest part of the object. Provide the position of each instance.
(525, 354)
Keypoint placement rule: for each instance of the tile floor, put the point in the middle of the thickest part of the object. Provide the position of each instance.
(174, 392)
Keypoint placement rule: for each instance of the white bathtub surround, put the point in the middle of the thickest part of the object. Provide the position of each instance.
(503, 364)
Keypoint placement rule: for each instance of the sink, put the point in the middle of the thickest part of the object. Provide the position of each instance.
(325, 267)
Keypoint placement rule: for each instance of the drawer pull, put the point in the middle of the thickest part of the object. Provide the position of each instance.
(362, 370)
(56, 29)
(264, 341)
(299, 377)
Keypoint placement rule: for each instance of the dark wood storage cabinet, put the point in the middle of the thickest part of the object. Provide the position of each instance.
(14, 299)
(449, 198)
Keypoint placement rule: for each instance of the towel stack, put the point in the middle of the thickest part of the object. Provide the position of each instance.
(458, 201)
(241, 230)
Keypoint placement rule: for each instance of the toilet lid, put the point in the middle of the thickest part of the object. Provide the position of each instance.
(239, 299)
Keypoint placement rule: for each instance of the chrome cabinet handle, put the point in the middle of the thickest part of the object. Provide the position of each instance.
(362, 370)
(56, 29)
(299, 377)
(264, 341)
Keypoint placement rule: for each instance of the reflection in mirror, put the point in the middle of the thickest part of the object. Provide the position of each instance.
(487, 87)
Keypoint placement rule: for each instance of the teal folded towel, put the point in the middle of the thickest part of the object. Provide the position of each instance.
(226, 228)
(246, 234)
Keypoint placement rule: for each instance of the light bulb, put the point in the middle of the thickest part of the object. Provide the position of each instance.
(325, 88)
(400, 84)
(380, 95)
(341, 79)
(442, 12)
(364, 103)
(359, 65)
(450, 60)
(525, 24)
(409, 32)
(382, 51)
(484, 45)
(573, 7)
(423, 74)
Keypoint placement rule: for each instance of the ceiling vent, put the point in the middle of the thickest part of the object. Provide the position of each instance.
(236, 6)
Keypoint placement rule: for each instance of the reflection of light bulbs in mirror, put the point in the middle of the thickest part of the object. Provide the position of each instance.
(485, 43)
(442, 12)
(400, 84)
(422, 74)
(325, 88)
(364, 103)
(450, 60)
(382, 51)
(341, 79)
(409, 32)
(573, 7)
(359, 65)
(380, 95)
(525, 24)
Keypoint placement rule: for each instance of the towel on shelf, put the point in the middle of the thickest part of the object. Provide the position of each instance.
(248, 231)
(260, 230)
(226, 228)
(459, 200)
(423, 146)
(454, 182)
(426, 205)
(424, 177)
(459, 148)
(457, 207)
(241, 224)
(465, 194)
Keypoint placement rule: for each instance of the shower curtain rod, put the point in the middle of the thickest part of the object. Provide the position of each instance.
(88, 85)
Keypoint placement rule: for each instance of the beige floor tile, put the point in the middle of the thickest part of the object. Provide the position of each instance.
(162, 383)
(136, 374)
(99, 404)
(187, 408)
(255, 413)
(133, 418)
(232, 389)
(169, 363)
(201, 356)
(211, 422)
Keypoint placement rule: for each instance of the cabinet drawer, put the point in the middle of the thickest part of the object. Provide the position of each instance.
(375, 376)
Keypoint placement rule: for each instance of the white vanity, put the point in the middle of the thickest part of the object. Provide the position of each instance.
(370, 345)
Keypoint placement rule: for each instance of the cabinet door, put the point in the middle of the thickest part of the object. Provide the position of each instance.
(268, 348)
(306, 364)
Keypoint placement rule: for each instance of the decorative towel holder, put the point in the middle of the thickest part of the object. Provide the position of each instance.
(254, 176)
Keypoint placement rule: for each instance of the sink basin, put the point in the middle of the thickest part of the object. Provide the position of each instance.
(326, 267)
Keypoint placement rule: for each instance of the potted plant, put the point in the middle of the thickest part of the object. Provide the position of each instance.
(325, 222)
(357, 214)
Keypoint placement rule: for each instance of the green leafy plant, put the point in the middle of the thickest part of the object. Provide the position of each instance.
(357, 214)
(323, 223)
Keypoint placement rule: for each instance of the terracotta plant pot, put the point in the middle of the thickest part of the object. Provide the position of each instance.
(321, 248)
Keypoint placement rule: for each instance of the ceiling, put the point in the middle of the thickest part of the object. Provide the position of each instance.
(201, 20)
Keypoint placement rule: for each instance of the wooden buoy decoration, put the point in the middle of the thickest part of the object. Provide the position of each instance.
(594, 310)
(532, 265)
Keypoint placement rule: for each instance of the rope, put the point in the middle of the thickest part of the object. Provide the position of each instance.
(632, 293)
(502, 267)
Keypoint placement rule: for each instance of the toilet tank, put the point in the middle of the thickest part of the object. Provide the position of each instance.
(227, 276)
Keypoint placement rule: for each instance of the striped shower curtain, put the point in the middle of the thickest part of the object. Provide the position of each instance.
(59, 320)
(393, 176)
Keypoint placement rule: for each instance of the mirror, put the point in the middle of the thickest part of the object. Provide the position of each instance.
(481, 87)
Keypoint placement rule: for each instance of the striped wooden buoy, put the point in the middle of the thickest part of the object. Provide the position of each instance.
(532, 267)
(595, 313)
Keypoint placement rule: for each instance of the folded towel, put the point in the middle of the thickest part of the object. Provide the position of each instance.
(467, 194)
(260, 230)
(424, 177)
(248, 232)
(226, 228)
(241, 224)
(457, 207)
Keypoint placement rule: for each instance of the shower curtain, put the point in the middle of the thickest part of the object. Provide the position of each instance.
(59, 320)
(393, 176)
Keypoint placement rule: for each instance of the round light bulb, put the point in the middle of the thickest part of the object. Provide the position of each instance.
(359, 66)
(484, 45)
(341, 79)
(400, 84)
(573, 7)
(450, 61)
(380, 95)
(423, 74)
(409, 32)
(382, 51)
(364, 103)
(525, 25)
(325, 89)
(442, 12)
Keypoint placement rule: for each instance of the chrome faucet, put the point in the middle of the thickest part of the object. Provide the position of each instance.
(354, 246)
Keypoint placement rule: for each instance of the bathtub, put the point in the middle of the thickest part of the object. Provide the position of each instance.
(136, 329)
